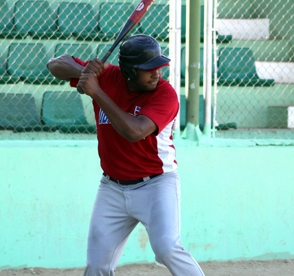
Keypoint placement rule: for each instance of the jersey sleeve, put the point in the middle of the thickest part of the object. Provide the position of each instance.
(74, 81)
(163, 107)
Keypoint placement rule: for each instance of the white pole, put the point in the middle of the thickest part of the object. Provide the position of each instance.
(215, 68)
(207, 60)
(175, 50)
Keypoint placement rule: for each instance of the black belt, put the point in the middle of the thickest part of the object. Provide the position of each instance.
(131, 182)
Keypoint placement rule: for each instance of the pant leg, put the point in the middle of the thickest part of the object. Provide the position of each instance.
(110, 227)
(161, 217)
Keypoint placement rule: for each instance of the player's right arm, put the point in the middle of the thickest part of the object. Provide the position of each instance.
(64, 67)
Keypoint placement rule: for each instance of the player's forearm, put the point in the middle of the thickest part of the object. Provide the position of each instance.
(130, 127)
(64, 67)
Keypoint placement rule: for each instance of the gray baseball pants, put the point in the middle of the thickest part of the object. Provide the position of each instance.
(119, 208)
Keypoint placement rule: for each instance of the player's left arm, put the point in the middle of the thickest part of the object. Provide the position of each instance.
(132, 128)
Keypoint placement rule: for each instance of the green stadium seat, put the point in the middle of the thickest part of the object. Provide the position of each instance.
(77, 20)
(183, 24)
(5, 78)
(7, 30)
(112, 17)
(202, 66)
(35, 18)
(183, 106)
(18, 112)
(183, 65)
(102, 50)
(27, 61)
(156, 22)
(236, 66)
(201, 69)
(183, 111)
(65, 111)
(223, 38)
(83, 51)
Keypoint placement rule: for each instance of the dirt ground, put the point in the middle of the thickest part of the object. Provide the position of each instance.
(249, 268)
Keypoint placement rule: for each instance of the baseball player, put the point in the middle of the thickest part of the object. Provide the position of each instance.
(135, 110)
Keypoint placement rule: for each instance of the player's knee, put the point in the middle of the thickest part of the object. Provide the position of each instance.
(165, 249)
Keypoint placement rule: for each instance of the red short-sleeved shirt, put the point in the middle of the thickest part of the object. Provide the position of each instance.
(155, 154)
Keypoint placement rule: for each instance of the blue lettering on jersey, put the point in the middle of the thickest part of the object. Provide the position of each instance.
(137, 110)
(103, 118)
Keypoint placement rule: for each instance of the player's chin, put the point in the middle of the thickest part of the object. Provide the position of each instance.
(151, 85)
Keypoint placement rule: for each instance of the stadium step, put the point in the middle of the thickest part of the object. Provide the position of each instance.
(244, 29)
(281, 72)
(281, 116)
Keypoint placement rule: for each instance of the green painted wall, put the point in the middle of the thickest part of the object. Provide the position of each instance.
(237, 203)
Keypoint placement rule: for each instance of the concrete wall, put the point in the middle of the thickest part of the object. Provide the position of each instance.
(237, 203)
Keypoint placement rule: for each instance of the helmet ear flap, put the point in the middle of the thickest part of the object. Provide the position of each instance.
(134, 74)
(128, 72)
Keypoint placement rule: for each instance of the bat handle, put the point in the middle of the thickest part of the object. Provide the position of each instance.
(106, 56)
(80, 90)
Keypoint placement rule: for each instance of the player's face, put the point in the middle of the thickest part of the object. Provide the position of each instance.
(147, 80)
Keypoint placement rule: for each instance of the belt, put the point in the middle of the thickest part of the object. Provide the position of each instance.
(131, 182)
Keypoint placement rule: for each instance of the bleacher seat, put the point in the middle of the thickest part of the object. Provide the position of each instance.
(65, 111)
(183, 107)
(5, 78)
(112, 17)
(7, 30)
(236, 66)
(18, 112)
(219, 37)
(77, 20)
(83, 51)
(156, 22)
(201, 114)
(201, 69)
(183, 65)
(27, 61)
(183, 23)
(35, 18)
(102, 50)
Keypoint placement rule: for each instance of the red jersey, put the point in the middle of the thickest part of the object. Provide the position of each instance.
(155, 154)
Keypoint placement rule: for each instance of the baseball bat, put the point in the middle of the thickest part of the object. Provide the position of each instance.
(135, 17)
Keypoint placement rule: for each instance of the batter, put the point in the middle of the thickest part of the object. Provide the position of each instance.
(135, 110)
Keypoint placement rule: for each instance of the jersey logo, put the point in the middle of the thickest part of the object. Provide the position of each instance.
(103, 118)
(137, 110)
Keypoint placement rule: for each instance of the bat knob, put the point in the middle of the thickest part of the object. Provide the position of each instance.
(80, 90)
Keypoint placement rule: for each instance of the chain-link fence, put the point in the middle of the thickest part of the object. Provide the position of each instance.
(254, 68)
(33, 104)
(253, 64)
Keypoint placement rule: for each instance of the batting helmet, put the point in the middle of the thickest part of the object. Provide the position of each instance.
(140, 52)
